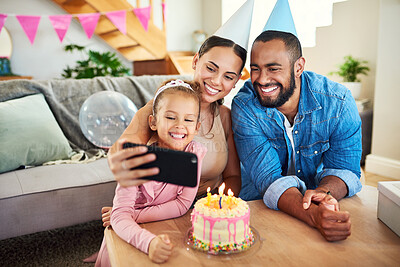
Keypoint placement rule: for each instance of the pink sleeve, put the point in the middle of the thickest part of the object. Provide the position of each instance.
(181, 204)
(123, 219)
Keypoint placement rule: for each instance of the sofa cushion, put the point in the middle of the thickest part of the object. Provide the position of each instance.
(29, 134)
(54, 177)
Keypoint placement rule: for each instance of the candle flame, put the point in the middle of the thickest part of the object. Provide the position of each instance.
(230, 193)
(208, 189)
(221, 189)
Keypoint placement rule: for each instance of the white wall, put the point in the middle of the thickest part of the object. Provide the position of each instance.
(354, 32)
(385, 156)
(45, 58)
(183, 18)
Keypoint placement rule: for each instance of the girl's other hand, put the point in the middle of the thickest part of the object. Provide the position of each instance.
(160, 249)
(105, 216)
(122, 161)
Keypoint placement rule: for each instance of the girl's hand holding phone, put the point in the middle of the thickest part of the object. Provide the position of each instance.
(123, 160)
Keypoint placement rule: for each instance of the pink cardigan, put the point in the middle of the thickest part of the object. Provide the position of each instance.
(149, 202)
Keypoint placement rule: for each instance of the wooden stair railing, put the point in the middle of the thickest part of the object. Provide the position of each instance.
(173, 63)
(137, 44)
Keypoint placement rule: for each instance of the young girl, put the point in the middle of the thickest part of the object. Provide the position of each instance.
(175, 118)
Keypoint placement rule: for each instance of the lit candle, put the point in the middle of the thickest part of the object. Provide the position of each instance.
(230, 194)
(208, 196)
(221, 189)
(221, 192)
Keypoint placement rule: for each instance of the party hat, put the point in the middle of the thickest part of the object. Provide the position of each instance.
(281, 18)
(237, 28)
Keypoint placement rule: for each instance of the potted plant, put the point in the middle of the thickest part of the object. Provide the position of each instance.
(97, 64)
(349, 70)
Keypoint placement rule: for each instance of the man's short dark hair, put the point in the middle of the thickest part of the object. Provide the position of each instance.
(292, 43)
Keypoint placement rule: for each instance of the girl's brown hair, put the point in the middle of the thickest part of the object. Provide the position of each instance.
(195, 93)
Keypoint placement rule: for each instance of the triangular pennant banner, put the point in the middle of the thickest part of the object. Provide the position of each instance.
(60, 24)
(2, 20)
(118, 18)
(29, 25)
(89, 22)
(143, 14)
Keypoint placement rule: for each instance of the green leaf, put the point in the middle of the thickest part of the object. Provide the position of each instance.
(72, 47)
(351, 68)
(96, 64)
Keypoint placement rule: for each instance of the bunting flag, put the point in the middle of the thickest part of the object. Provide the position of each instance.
(60, 24)
(118, 18)
(29, 25)
(143, 14)
(89, 22)
(2, 20)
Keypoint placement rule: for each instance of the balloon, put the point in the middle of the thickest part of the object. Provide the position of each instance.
(104, 116)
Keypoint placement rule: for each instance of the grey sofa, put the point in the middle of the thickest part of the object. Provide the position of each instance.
(46, 197)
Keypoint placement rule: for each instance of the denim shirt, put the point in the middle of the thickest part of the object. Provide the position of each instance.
(326, 134)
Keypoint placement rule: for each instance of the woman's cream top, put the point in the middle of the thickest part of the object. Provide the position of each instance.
(215, 160)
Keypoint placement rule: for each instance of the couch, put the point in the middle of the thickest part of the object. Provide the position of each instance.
(39, 128)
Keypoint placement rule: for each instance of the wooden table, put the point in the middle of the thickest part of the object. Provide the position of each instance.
(283, 241)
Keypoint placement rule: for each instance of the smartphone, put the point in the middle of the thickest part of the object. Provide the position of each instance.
(176, 167)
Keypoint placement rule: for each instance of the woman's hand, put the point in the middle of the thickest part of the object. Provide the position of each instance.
(123, 160)
(160, 249)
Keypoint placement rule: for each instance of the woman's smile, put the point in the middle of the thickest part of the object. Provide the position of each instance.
(210, 90)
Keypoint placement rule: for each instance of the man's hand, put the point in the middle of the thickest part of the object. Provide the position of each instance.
(319, 210)
(333, 225)
(320, 197)
(160, 249)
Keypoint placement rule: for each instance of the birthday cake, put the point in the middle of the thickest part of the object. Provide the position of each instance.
(221, 223)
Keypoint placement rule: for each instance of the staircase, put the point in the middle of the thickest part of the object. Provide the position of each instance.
(173, 63)
(137, 44)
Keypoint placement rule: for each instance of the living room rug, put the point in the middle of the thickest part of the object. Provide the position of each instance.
(60, 247)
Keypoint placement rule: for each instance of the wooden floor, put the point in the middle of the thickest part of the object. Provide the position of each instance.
(373, 179)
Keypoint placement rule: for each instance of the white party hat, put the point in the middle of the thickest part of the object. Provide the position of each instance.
(237, 28)
(281, 18)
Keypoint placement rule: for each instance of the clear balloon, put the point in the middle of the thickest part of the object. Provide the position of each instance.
(104, 116)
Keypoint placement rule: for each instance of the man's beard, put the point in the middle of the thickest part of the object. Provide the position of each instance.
(284, 93)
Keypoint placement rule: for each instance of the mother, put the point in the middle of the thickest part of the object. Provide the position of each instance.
(217, 68)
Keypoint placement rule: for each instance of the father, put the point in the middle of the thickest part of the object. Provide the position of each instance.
(298, 136)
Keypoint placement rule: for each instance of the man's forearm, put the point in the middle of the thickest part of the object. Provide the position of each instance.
(334, 185)
(291, 202)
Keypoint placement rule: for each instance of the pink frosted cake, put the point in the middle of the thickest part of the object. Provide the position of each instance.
(221, 224)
